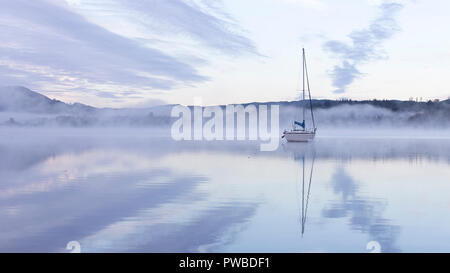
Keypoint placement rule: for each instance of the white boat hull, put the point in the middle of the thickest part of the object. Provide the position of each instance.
(299, 136)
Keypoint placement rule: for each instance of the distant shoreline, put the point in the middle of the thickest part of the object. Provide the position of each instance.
(20, 106)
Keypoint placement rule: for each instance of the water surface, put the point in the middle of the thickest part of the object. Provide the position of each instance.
(141, 192)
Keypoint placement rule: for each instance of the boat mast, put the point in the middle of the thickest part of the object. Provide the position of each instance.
(309, 93)
(303, 101)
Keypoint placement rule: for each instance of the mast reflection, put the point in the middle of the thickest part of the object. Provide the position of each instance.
(306, 190)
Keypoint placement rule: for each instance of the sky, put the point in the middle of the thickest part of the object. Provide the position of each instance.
(119, 53)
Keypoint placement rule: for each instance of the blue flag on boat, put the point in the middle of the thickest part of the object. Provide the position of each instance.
(302, 124)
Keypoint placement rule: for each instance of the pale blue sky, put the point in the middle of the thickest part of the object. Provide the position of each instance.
(138, 53)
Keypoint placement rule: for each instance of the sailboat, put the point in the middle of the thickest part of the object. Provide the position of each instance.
(299, 132)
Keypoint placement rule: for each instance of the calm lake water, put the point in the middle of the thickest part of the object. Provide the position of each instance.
(139, 191)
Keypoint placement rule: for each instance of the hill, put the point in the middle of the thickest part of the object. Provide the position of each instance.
(22, 99)
(20, 106)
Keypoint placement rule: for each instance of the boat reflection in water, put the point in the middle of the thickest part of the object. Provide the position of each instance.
(307, 191)
(346, 203)
(305, 154)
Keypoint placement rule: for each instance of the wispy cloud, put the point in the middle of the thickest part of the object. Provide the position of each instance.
(49, 43)
(315, 4)
(365, 46)
(202, 21)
